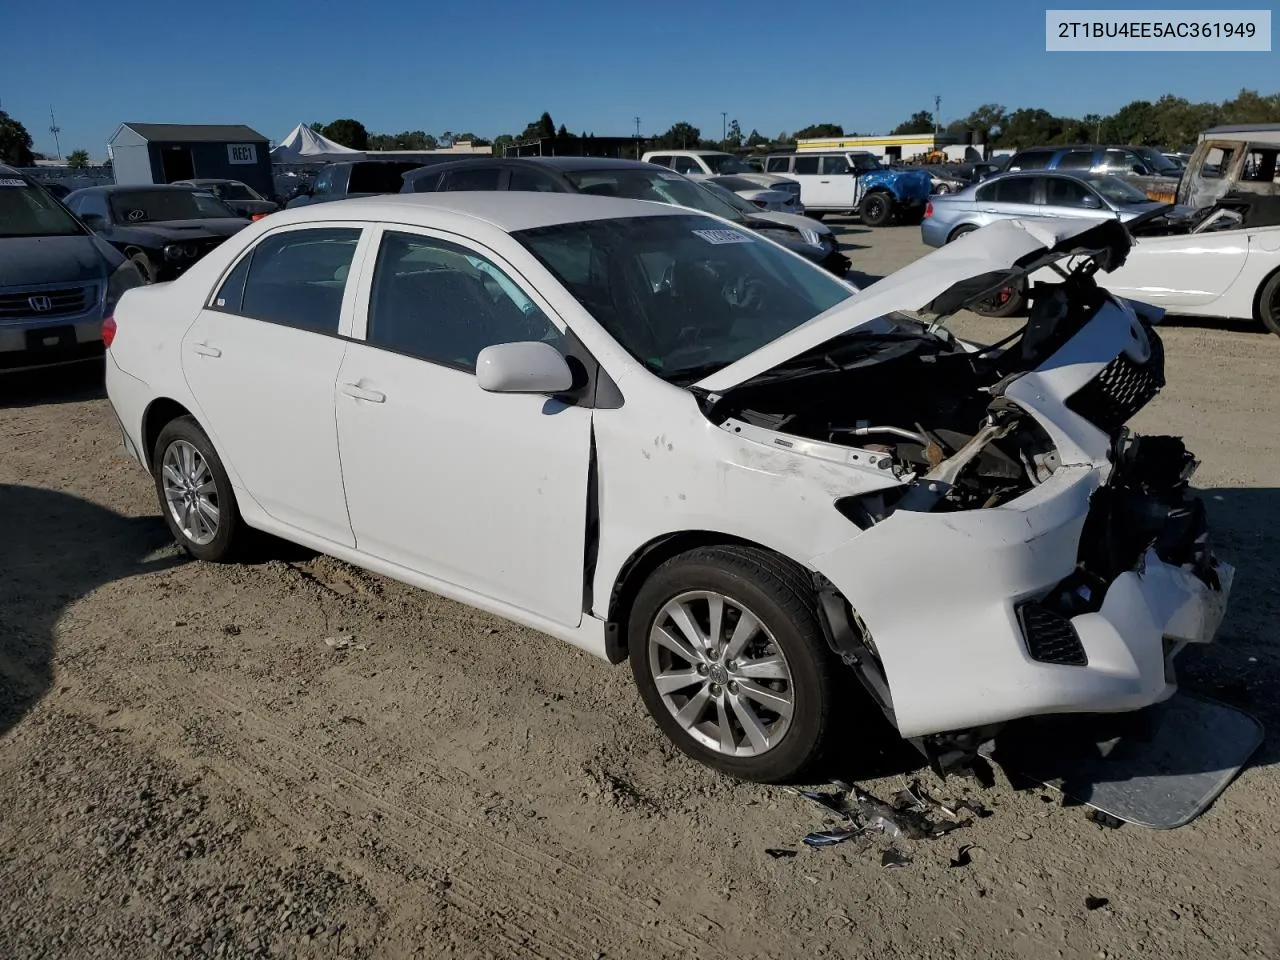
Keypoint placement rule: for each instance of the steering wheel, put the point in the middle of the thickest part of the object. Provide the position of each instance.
(744, 293)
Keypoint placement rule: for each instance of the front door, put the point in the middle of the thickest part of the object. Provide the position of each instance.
(484, 491)
(1068, 197)
(262, 360)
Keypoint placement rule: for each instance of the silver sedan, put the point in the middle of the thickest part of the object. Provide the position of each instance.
(1038, 193)
(764, 198)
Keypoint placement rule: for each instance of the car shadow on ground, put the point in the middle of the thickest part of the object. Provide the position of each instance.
(70, 384)
(55, 549)
(1240, 669)
(1214, 323)
(861, 279)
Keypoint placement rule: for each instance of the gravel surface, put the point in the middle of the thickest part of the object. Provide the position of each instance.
(187, 768)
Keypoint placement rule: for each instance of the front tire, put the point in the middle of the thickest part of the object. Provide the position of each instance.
(145, 267)
(876, 209)
(1269, 304)
(195, 494)
(731, 662)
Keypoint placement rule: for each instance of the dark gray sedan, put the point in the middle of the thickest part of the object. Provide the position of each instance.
(1039, 193)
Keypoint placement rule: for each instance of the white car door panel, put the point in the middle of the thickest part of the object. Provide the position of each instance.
(261, 362)
(1181, 271)
(484, 491)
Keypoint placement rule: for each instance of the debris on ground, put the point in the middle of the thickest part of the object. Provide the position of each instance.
(339, 642)
(1095, 903)
(963, 856)
(779, 854)
(1103, 819)
(893, 857)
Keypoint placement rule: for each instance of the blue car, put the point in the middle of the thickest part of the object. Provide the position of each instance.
(854, 181)
(58, 282)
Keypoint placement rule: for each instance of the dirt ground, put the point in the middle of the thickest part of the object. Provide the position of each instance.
(188, 769)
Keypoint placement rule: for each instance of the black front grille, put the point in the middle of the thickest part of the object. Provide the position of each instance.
(1110, 399)
(44, 303)
(1050, 637)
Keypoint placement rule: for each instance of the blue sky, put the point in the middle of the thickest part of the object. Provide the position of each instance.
(491, 66)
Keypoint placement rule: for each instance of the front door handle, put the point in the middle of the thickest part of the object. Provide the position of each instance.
(824, 181)
(363, 393)
(205, 350)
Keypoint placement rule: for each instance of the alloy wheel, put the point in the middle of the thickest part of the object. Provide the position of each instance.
(721, 674)
(190, 492)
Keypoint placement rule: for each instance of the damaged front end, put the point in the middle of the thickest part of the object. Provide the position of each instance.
(1074, 547)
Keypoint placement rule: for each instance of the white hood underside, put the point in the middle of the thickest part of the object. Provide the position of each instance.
(996, 247)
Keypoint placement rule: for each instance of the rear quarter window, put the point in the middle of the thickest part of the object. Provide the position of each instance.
(1031, 160)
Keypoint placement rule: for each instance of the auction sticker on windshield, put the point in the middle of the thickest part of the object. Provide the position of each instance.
(723, 236)
(11, 182)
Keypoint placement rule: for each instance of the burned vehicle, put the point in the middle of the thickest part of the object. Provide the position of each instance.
(1234, 159)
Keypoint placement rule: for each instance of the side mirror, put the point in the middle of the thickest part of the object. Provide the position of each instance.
(94, 221)
(1090, 202)
(527, 367)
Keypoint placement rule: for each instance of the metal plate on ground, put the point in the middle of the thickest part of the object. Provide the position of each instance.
(1159, 768)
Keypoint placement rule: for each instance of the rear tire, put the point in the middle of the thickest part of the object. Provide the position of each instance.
(876, 209)
(714, 701)
(195, 493)
(145, 267)
(1269, 304)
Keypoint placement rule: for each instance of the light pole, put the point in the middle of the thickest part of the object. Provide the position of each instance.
(937, 113)
(637, 119)
(724, 127)
(55, 130)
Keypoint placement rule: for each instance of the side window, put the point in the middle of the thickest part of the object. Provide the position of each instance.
(1259, 165)
(1031, 160)
(806, 165)
(230, 295)
(778, 165)
(428, 183)
(686, 165)
(1064, 192)
(324, 181)
(1120, 161)
(478, 178)
(438, 301)
(1015, 190)
(525, 179)
(297, 278)
(1217, 163)
(986, 194)
(664, 160)
(834, 165)
(1076, 160)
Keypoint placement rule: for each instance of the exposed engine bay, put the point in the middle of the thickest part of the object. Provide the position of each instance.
(920, 403)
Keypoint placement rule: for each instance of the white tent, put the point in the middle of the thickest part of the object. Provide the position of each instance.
(304, 145)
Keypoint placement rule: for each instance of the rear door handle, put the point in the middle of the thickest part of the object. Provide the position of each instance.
(205, 350)
(362, 393)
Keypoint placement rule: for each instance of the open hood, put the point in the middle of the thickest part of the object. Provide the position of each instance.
(942, 283)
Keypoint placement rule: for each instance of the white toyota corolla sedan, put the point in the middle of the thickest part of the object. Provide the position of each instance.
(642, 430)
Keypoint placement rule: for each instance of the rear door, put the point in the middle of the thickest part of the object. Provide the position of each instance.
(261, 361)
(804, 171)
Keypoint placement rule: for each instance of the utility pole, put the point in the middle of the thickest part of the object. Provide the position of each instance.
(637, 138)
(937, 113)
(724, 127)
(55, 130)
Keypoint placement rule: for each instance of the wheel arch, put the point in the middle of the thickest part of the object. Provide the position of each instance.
(960, 230)
(647, 558)
(1257, 295)
(160, 412)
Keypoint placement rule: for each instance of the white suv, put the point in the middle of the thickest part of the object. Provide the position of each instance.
(699, 164)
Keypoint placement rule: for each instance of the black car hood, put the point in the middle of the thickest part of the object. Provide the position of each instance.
(38, 260)
(249, 207)
(180, 231)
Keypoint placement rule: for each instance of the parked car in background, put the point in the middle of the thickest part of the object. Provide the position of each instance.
(58, 282)
(765, 198)
(1145, 167)
(694, 452)
(1223, 263)
(602, 176)
(1045, 193)
(816, 234)
(854, 181)
(353, 178)
(944, 178)
(1232, 159)
(162, 228)
(240, 197)
(1177, 160)
(697, 164)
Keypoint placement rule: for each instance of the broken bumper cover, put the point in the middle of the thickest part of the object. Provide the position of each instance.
(944, 598)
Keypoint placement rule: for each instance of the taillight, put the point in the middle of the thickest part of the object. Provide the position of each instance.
(108, 331)
(257, 216)
(928, 209)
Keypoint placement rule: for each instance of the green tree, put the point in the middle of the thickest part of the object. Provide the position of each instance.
(1250, 107)
(546, 126)
(734, 137)
(78, 159)
(681, 136)
(500, 144)
(15, 142)
(1027, 127)
(754, 139)
(817, 130)
(1135, 122)
(989, 120)
(349, 133)
(562, 132)
(318, 127)
(920, 122)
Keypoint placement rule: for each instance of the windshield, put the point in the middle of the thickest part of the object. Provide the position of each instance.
(683, 294)
(1156, 161)
(1119, 191)
(726, 163)
(27, 211)
(143, 206)
(660, 186)
(719, 191)
(235, 191)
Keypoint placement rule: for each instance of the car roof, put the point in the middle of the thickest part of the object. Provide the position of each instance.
(122, 187)
(508, 210)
